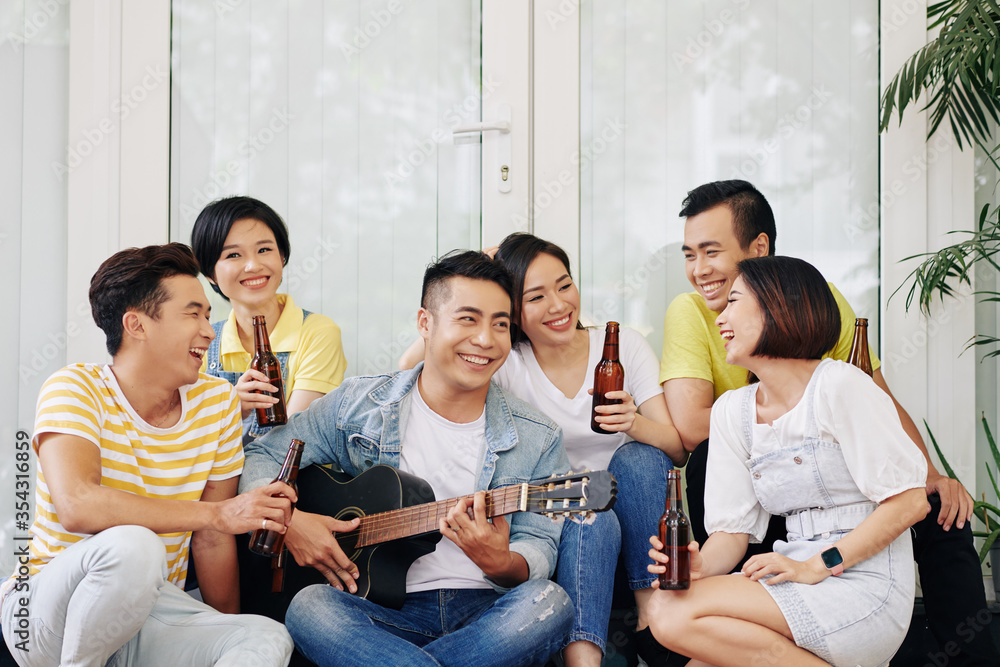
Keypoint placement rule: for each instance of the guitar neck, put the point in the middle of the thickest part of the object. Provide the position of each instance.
(420, 519)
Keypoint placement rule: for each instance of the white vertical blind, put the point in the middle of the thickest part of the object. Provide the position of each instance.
(338, 115)
(987, 318)
(34, 66)
(781, 93)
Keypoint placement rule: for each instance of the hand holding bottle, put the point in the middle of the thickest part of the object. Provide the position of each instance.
(618, 414)
(250, 387)
(265, 363)
(609, 377)
(659, 566)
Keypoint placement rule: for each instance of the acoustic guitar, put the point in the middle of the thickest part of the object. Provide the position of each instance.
(399, 523)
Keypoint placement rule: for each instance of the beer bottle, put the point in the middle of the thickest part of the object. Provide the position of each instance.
(270, 542)
(675, 536)
(859, 348)
(609, 375)
(268, 364)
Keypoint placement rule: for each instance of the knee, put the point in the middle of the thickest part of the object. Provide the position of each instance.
(133, 549)
(608, 529)
(670, 619)
(551, 605)
(597, 541)
(637, 459)
(271, 638)
(309, 607)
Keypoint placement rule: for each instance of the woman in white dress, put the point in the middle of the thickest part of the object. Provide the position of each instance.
(819, 443)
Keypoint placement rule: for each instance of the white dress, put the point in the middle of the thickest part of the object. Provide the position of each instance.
(825, 465)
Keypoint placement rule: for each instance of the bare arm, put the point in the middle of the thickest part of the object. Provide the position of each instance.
(650, 423)
(300, 400)
(893, 516)
(413, 355)
(72, 468)
(214, 554)
(721, 554)
(689, 401)
(956, 503)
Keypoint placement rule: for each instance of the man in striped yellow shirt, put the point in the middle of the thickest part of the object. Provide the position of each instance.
(138, 464)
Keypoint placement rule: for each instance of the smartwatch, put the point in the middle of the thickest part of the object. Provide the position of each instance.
(833, 560)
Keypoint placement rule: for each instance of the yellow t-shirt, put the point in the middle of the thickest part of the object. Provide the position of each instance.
(316, 361)
(177, 463)
(693, 348)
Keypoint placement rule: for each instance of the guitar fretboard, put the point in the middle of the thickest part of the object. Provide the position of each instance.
(420, 519)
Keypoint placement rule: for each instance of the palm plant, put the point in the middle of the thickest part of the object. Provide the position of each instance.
(960, 70)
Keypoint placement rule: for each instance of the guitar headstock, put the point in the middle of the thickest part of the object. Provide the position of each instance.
(580, 493)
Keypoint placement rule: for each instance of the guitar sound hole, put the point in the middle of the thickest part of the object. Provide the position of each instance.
(349, 541)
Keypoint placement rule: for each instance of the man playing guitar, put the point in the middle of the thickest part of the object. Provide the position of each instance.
(483, 596)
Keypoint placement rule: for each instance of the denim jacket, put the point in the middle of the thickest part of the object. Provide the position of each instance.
(361, 423)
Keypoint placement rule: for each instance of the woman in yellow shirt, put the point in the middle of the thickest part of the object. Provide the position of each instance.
(242, 246)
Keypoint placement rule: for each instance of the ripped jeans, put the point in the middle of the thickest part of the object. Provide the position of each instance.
(444, 627)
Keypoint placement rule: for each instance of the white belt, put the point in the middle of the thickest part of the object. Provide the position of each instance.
(809, 523)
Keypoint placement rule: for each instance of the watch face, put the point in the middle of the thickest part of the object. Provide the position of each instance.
(832, 557)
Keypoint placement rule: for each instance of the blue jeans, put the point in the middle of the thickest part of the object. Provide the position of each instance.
(105, 600)
(444, 627)
(641, 472)
(588, 554)
(586, 564)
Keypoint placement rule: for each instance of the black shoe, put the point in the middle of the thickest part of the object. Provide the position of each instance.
(651, 651)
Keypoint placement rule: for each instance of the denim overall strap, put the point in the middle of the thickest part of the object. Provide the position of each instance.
(250, 426)
(214, 366)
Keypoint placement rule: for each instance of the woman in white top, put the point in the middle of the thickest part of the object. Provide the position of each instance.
(819, 443)
(551, 365)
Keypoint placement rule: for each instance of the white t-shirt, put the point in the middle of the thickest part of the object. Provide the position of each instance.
(522, 375)
(849, 410)
(449, 457)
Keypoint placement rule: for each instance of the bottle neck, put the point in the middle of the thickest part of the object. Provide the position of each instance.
(611, 343)
(674, 493)
(290, 468)
(260, 340)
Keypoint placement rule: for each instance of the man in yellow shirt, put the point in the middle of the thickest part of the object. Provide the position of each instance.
(138, 464)
(728, 221)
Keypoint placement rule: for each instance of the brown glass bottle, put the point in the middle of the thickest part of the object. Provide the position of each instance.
(675, 536)
(860, 356)
(268, 364)
(609, 375)
(270, 542)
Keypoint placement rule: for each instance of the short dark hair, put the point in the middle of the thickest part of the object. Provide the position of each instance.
(517, 252)
(801, 317)
(132, 279)
(213, 225)
(751, 212)
(471, 264)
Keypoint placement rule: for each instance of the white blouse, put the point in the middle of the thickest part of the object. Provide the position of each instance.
(587, 450)
(849, 409)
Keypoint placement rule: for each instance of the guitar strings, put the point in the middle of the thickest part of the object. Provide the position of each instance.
(373, 524)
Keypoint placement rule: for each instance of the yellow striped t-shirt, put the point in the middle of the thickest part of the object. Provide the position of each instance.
(85, 400)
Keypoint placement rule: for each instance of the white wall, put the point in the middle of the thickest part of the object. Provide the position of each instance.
(34, 68)
(677, 94)
(926, 190)
(339, 116)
